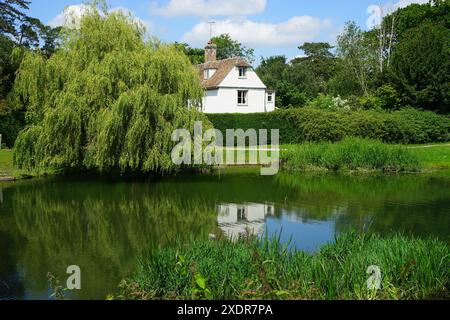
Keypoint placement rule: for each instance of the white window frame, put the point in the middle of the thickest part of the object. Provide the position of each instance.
(244, 98)
(270, 97)
(206, 74)
(244, 72)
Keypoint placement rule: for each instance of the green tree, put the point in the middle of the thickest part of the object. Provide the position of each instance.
(11, 121)
(421, 67)
(359, 58)
(195, 55)
(229, 48)
(105, 100)
(14, 22)
(311, 72)
(11, 14)
(271, 70)
(277, 75)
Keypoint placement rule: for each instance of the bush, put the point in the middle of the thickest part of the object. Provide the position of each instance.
(350, 154)
(325, 102)
(262, 269)
(407, 126)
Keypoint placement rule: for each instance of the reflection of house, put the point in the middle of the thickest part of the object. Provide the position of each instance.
(236, 219)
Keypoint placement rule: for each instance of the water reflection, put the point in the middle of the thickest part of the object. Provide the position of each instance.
(104, 226)
(235, 220)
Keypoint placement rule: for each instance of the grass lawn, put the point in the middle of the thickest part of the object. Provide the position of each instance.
(6, 163)
(433, 156)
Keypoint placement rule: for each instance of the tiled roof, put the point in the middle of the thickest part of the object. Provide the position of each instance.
(223, 68)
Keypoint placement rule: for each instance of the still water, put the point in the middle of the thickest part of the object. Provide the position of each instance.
(104, 226)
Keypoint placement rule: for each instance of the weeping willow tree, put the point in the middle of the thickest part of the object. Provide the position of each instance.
(106, 100)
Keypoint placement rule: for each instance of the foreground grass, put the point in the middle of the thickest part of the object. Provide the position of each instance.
(350, 154)
(261, 269)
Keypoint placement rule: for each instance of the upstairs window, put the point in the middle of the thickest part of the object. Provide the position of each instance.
(242, 97)
(242, 72)
(208, 73)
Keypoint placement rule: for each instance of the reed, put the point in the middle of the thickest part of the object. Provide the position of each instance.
(252, 268)
(350, 154)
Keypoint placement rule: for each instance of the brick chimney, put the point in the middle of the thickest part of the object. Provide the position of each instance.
(210, 52)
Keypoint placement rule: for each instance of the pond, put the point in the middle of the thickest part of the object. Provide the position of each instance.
(104, 226)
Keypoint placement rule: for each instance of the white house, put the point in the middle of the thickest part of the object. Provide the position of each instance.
(232, 86)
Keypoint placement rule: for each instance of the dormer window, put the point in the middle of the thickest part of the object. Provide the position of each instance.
(242, 72)
(208, 73)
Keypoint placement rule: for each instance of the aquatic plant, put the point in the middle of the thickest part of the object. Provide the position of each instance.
(410, 268)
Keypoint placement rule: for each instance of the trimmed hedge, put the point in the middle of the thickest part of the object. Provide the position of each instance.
(407, 126)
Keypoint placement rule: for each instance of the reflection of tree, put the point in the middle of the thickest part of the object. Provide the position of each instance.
(103, 230)
(410, 203)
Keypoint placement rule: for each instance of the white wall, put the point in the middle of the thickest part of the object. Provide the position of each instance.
(225, 100)
(250, 81)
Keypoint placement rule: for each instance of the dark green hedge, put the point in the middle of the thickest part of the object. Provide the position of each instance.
(408, 126)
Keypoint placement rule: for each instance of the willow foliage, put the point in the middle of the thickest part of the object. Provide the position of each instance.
(106, 100)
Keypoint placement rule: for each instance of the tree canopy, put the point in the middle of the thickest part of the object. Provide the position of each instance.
(105, 100)
(403, 62)
(230, 48)
(226, 48)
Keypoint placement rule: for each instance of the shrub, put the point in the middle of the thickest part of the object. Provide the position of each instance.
(350, 154)
(325, 102)
(407, 126)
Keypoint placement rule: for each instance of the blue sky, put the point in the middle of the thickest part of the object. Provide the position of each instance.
(271, 27)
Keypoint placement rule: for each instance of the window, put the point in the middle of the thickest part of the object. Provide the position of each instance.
(270, 97)
(242, 72)
(241, 214)
(242, 97)
(208, 73)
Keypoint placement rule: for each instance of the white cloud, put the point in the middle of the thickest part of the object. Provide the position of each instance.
(209, 8)
(72, 15)
(292, 32)
(131, 14)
